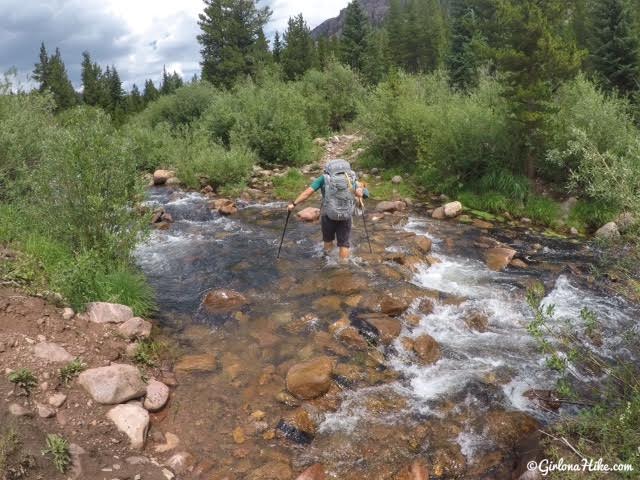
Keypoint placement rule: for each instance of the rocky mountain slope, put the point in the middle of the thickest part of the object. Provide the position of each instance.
(376, 9)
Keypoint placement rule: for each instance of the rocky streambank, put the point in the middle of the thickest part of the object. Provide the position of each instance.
(84, 385)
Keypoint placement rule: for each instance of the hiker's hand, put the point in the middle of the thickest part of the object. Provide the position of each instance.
(359, 192)
(291, 207)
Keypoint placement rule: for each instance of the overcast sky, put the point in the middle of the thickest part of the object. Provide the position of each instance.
(137, 36)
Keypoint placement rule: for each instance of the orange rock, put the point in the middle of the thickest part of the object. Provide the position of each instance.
(314, 472)
(310, 379)
(498, 258)
(427, 349)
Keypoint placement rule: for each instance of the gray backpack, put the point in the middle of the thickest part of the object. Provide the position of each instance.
(339, 190)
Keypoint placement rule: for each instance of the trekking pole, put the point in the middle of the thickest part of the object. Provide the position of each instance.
(283, 232)
(364, 221)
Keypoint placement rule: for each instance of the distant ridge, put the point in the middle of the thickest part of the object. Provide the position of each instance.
(376, 10)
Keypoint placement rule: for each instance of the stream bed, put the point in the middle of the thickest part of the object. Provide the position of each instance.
(466, 414)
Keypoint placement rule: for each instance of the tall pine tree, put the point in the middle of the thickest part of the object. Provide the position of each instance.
(90, 74)
(614, 47)
(150, 92)
(277, 47)
(299, 50)
(467, 41)
(51, 73)
(232, 40)
(537, 53)
(354, 35)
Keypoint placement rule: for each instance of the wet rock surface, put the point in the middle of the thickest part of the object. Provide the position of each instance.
(404, 363)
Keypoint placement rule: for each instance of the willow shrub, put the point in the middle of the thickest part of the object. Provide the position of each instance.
(594, 146)
(182, 107)
(450, 139)
(205, 162)
(331, 97)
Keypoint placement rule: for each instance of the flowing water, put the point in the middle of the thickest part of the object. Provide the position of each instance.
(394, 410)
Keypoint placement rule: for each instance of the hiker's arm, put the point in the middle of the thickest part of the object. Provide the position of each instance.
(301, 198)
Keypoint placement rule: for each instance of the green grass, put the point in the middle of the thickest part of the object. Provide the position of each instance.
(25, 379)
(44, 264)
(383, 189)
(289, 186)
(9, 443)
(58, 449)
(149, 352)
(71, 370)
(590, 215)
(540, 210)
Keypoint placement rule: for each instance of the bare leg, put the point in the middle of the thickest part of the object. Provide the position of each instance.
(328, 246)
(344, 253)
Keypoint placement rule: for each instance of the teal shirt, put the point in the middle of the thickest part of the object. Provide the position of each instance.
(318, 183)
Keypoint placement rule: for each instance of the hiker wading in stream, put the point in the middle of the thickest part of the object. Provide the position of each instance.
(340, 192)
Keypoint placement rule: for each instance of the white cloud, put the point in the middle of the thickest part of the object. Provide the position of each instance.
(137, 36)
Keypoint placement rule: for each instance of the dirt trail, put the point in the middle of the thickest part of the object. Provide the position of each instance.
(340, 146)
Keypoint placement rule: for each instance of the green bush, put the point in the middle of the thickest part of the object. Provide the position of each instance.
(87, 185)
(25, 122)
(272, 123)
(203, 161)
(451, 138)
(331, 97)
(221, 117)
(582, 110)
(181, 108)
(152, 147)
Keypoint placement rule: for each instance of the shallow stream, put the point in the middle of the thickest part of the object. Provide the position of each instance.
(396, 409)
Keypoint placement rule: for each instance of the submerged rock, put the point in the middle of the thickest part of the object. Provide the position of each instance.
(116, 383)
(310, 379)
(206, 362)
(416, 471)
(223, 301)
(314, 472)
(275, 470)
(508, 428)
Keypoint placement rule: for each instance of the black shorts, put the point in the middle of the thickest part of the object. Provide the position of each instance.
(336, 228)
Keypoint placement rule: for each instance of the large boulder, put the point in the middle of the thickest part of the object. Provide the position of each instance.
(310, 379)
(506, 429)
(160, 177)
(423, 244)
(52, 352)
(452, 209)
(438, 214)
(427, 349)
(116, 383)
(608, 231)
(309, 214)
(135, 327)
(103, 312)
(228, 209)
(498, 258)
(393, 306)
(390, 206)
(132, 420)
(388, 328)
(223, 300)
